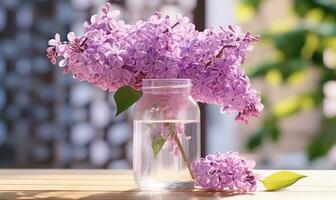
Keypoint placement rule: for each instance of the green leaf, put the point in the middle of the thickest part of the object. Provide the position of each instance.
(323, 142)
(158, 141)
(256, 139)
(262, 69)
(253, 3)
(125, 97)
(157, 144)
(290, 43)
(281, 179)
(272, 129)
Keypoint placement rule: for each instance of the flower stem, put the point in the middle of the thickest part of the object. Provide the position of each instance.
(166, 31)
(184, 156)
(219, 54)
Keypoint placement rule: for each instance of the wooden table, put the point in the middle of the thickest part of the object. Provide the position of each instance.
(119, 185)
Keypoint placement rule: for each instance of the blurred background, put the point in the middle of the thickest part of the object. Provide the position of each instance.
(48, 120)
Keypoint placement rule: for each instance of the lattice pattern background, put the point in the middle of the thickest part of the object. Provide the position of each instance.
(51, 120)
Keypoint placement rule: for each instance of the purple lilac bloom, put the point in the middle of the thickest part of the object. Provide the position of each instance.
(225, 172)
(112, 54)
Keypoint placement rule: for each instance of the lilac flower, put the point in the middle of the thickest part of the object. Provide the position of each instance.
(56, 41)
(225, 172)
(117, 54)
(166, 68)
(52, 55)
(55, 47)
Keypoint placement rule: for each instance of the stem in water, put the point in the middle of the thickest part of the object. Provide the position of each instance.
(184, 156)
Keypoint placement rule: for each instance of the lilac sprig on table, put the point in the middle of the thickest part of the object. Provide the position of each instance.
(226, 171)
(112, 54)
(233, 173)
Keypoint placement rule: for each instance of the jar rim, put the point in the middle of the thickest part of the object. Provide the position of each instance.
(166, 83)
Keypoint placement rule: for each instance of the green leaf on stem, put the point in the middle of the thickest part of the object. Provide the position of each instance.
(125, 97)
(281, 179)
(158, 140)
(157, 144)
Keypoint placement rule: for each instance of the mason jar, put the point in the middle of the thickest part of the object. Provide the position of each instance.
(166, 135)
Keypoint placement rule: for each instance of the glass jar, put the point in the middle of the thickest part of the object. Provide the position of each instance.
(166, 135)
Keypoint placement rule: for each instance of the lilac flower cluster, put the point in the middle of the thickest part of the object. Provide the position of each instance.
(112, 54)
(228, 172)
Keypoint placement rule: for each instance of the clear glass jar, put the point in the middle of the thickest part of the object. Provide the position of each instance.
(166, 135)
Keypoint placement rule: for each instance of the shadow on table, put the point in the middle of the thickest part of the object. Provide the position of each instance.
(162, 195)
(52, 195)
(126, 195)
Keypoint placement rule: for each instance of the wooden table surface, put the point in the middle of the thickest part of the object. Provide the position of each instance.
(119, 185)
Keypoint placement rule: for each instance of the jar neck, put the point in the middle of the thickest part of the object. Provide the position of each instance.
(166, 86)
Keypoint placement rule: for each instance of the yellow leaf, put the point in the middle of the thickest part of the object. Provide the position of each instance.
(331, 42)
(277, 55)
(281, 179)
(297, 77)
(310, 46)
(307, 103)
(315, 15)
(273, 77)
(286, 107)
(243, 12)
(281, 26)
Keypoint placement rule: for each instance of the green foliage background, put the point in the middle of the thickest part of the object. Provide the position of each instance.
(300, 48)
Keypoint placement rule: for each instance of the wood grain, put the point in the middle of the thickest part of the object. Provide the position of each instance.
(119, 185)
